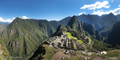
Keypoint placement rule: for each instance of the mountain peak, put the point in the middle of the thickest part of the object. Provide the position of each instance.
(73, 20)
(111, 13)
(17, 18)
(75, 24)
(59, 27)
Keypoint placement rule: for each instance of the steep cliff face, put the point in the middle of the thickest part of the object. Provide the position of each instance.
(85, 28)
(75, 24)
(23, 36)
(88, 28)
(114, 35)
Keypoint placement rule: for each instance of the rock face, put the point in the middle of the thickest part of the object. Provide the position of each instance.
(75, 24)
(114, 36)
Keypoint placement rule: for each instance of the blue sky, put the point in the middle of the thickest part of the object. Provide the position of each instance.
(55, 9)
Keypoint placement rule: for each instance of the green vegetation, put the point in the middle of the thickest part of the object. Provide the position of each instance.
(44, 51)
(48, 56)
(80, 41)
(74, 58)
(89, 40)
(113, 53)
(5, 51)
(49, 52)
(99, 45)
(75, 46)
(48, 49)
(2, 57)
(22, 37)
(2, 27)
(72, 37)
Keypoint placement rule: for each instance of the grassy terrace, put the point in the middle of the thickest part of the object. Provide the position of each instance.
(49, 52)
(89, 41)
(72, 37)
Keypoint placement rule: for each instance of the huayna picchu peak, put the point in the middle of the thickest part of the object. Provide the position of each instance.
(75, 24)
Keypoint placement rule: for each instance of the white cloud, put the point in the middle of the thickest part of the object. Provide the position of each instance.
(10, 20)
(119, 5)
(100, 12)
(25, 17)
(81, 13)
(97, 5)
(6, 20)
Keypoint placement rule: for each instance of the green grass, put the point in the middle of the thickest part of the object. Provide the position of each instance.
(6, 53)
(80, 41)
(99, 45)
(49, 52)
(72, 37)
(75, 46)
(48, 56)
(22, 31)
(2, 57)
(48, 49)
(89, 41)
(74, 58)
(111, 54)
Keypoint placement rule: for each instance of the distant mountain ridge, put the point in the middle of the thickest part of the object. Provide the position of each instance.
(102, 23)
(23, 36)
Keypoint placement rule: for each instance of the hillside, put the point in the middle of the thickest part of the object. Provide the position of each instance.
(67, 43)
(90, 19)
(4, 53)
(2, 27)
(102, 23)
(113, 37)
(23, 36)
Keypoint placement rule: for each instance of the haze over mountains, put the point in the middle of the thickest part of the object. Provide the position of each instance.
(22, 37)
